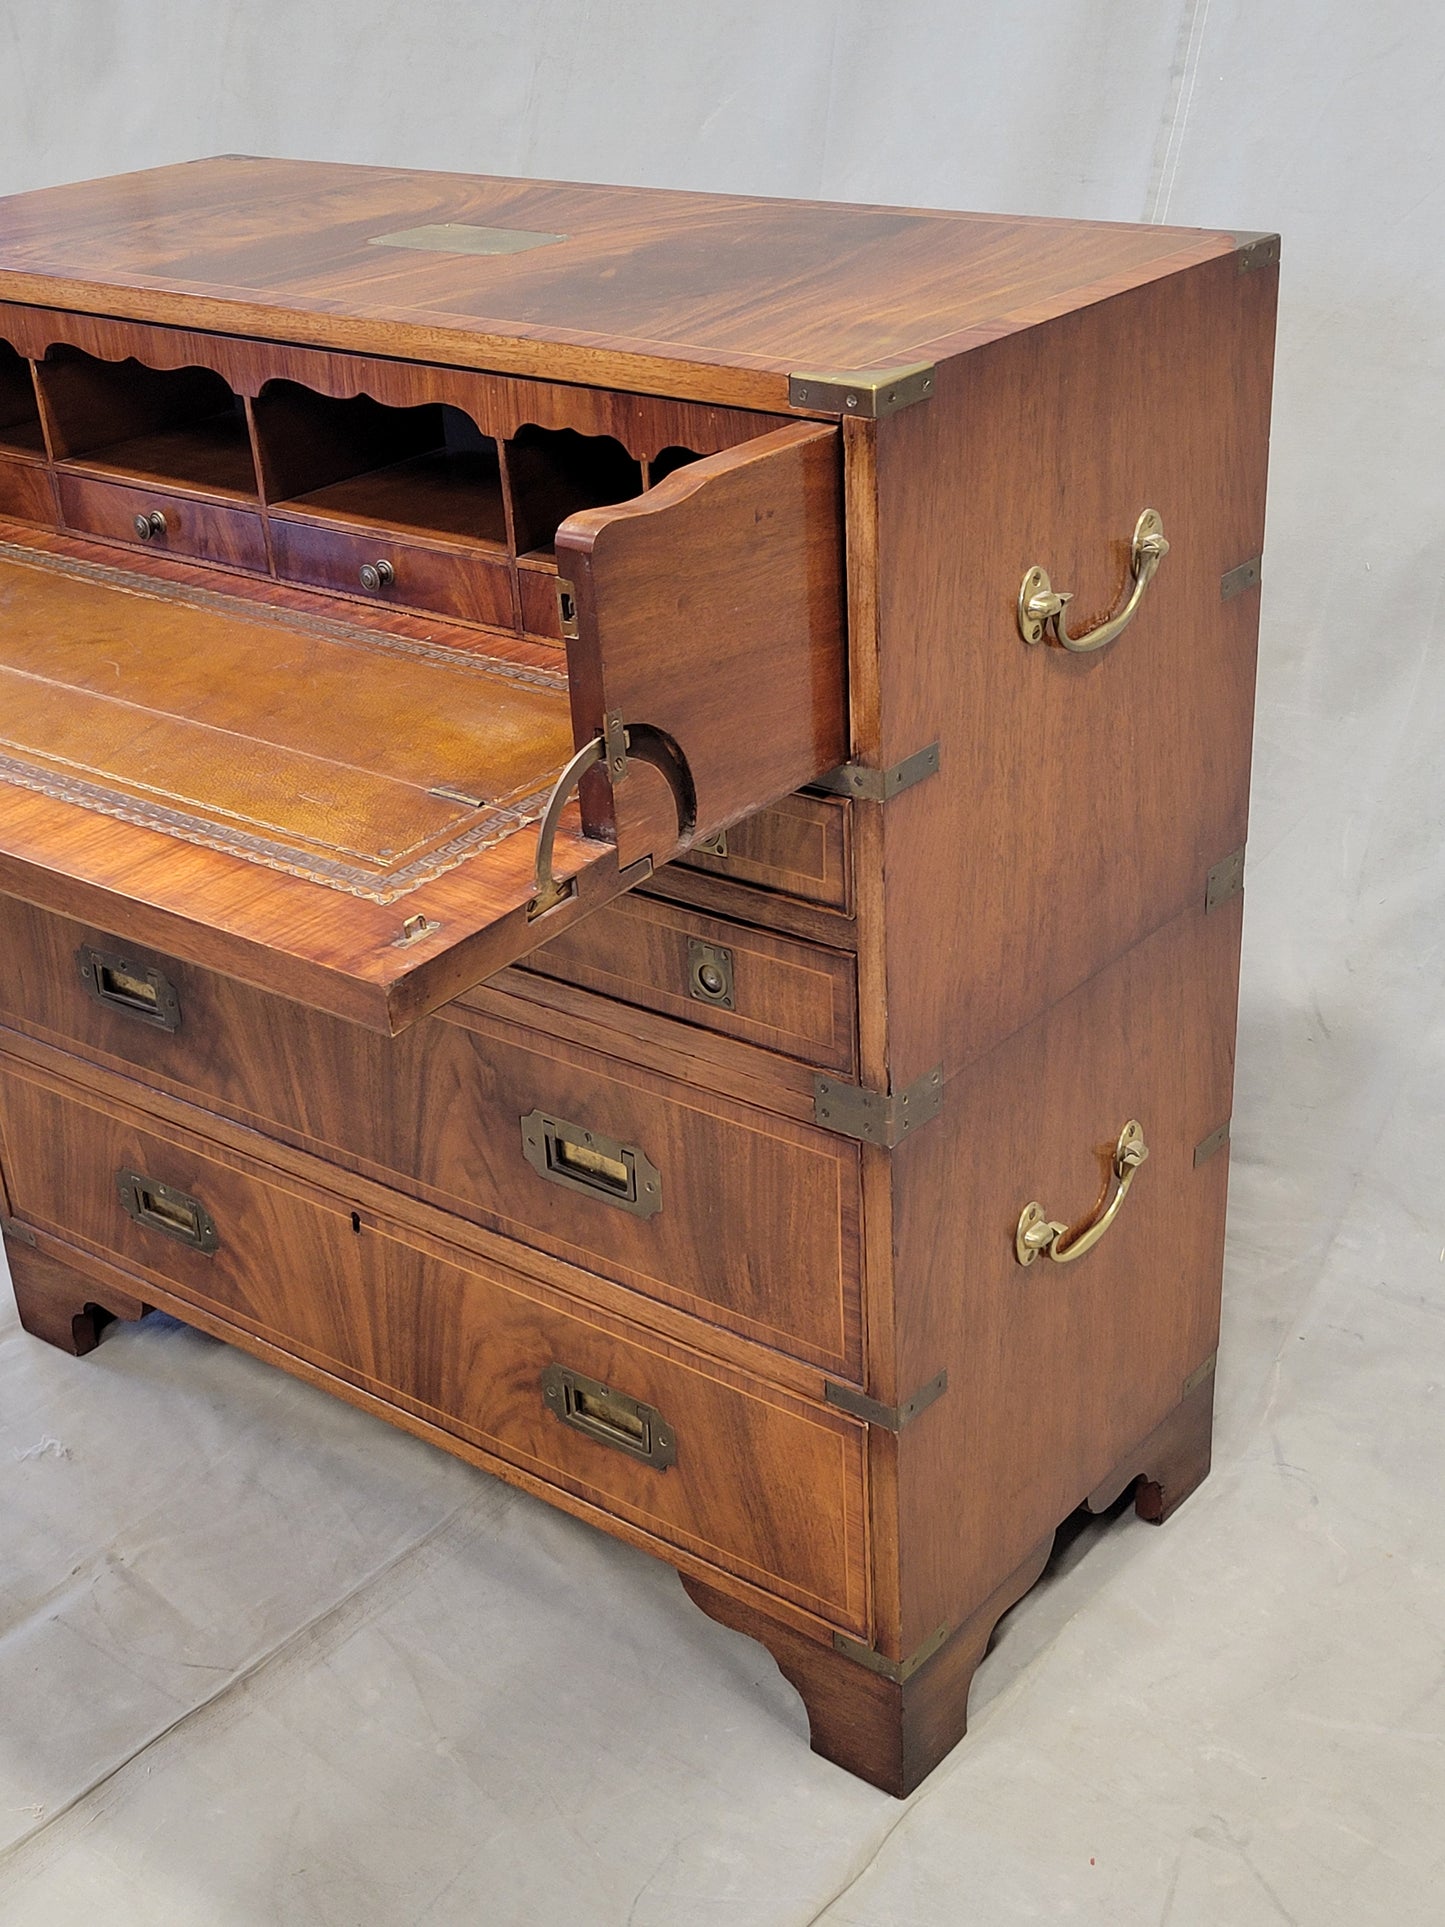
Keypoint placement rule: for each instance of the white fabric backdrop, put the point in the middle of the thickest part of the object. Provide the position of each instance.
(1243, 1714)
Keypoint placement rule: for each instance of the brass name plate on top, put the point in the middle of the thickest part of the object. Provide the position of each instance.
(455, 237)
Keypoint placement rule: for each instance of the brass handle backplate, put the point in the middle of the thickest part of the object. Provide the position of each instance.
(612, 1418)
(137, 989)
(160, 1207)
(1037, 1232)
(584, 1160)
(1042, 607)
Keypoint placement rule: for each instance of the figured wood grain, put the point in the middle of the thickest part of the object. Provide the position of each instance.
(1082, 799)
(719, 588)
(758, 1229)
(463, 1343)
(1095, 1352)
(469, 586)
(688, 294)
(202, 531)
(26, 492)
(796, 999)
(798, 846)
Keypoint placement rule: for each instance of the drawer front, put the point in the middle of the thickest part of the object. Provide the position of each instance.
(474, 588)
(539, 603)
(795, 998)
(756, 1225)
(25, 493)
(799, 847)
(761, 1484)
(205, 530)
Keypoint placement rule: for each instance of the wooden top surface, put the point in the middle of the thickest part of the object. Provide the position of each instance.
(714, 296)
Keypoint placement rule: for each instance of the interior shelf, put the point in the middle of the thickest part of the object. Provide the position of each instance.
(555, 472)
(425, 471)
(20, 430)
(173, 427)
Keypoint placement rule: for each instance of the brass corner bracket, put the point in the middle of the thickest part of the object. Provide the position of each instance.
(891, 1418)
(1256, 251)
(852, 1110)
(870, 393)
(1225, 880)
(878, 785)
(897, 1670)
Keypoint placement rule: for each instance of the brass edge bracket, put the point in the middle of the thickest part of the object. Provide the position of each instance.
(1205, 1149)
(852, 1110)
(1197, 1377)
(21, 1233)
(1235, 581)
(892, 1418)
(877, 785)
(870, 393)
(1256, 251)
(898, 1670)
(1225, 880)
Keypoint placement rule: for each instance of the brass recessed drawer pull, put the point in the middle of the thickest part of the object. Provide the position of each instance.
(135, 988)
(1037, 1232)
(583, 1160)
(1042, 607)
(150, 528)
(376, 576)
(160, 1207)
(612, 1418)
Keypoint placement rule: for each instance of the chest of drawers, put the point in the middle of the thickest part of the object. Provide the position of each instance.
(621, 829)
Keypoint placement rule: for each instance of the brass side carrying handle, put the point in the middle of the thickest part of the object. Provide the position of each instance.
(1043, 607)
(1037, 1232)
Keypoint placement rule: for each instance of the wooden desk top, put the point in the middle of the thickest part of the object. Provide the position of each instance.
(712, 296)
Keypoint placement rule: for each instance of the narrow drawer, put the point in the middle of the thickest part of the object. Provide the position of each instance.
(754, 1224)
(449, 582)
(206, 530)
(795, 998)
(539, 602)
(695, 1456)
(25, 492)
(798, 847)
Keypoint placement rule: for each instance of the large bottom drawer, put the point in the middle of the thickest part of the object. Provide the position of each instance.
(695, 1456)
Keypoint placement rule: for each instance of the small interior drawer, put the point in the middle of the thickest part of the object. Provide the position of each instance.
(798, 847)
(798, 999)
(173, 524)
(648, 1430)
(466, 584)
(25, 492)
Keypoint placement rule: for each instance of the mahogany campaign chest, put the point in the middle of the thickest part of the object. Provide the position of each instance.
(621, 830)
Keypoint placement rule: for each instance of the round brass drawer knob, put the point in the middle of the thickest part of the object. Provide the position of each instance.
(711, 980)
(150, 527)
(376, 576)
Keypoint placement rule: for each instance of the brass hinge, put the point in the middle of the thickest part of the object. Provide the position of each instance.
(1235, 581)
(897, 1670)
(615, 746)
(852, 1110)
(892, 1418)
(1256, 251)
(21, 1233)
(1205, 1149)
(1197, 1377)
(1225, 880)
(870, 393)
(877, 785)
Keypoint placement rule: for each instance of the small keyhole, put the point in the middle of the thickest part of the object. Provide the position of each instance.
(356, 1221)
